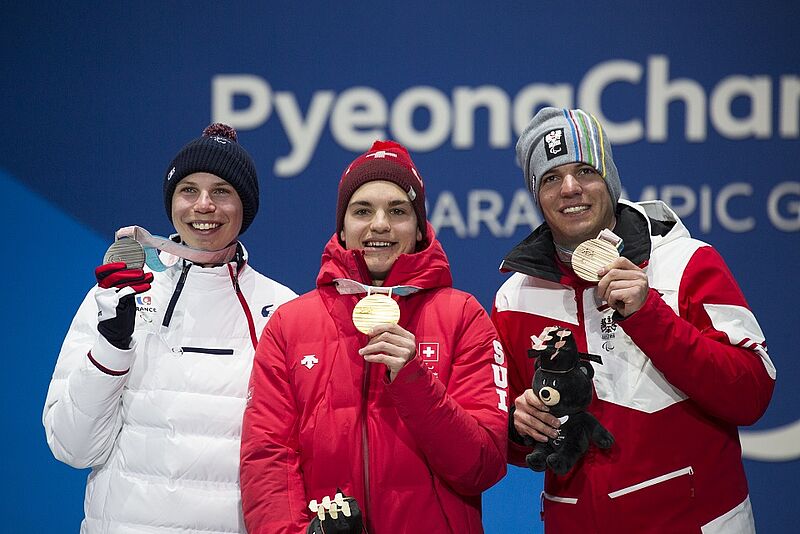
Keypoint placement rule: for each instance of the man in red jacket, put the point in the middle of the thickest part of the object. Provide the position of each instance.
(410, 419)
(684, 361)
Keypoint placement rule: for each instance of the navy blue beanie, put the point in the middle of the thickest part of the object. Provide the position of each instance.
(216, 152)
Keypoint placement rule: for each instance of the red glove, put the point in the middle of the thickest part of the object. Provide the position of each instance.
(116, 307)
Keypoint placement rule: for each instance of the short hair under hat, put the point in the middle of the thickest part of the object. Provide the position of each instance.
(385, 160)
(559, 136)
(216, 152)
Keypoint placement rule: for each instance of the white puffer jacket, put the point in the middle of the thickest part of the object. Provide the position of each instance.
(160, 423)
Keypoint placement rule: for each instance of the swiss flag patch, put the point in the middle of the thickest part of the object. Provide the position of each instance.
(429, 352)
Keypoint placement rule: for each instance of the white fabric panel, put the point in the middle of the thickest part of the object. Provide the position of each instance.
(737, 521)
(626, 377)
(742, 329)
(531, 295)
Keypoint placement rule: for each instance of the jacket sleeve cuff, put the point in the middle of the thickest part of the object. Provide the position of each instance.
(109, 359)
(650, 302)
(412, 371)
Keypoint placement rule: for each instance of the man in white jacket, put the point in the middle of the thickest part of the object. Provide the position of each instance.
(151, 380)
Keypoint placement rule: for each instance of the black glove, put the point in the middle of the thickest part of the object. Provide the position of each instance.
(116, 306)
(340, 516)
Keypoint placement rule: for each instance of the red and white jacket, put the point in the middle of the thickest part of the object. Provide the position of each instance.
(416, 453)
(677, 378)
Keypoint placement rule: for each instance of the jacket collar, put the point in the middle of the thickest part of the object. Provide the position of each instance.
(427, 268)
(208, 277)
(536, 255)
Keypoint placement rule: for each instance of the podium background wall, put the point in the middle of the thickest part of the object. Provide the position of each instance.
(701, 101)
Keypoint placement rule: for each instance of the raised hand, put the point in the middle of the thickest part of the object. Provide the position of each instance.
(623, 285)
(116, 307)
(390, 344)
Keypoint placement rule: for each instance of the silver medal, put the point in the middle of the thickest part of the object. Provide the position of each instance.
(126, 250)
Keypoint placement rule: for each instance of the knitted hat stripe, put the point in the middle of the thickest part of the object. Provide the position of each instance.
(588, 132)
(587, 140)
(575, 134)
(587, 120)
(602, 149)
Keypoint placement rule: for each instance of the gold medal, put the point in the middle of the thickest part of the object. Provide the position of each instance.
(373, 310)
(126, 250)
(592, 255)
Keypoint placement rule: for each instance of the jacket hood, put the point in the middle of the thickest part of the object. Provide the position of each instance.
(642, 226)
(427, 268)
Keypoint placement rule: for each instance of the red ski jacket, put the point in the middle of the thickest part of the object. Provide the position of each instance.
(416, 453)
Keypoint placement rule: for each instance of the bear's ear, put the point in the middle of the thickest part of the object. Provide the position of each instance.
(587, 368)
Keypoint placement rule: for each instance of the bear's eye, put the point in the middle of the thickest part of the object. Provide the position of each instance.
(554, 382)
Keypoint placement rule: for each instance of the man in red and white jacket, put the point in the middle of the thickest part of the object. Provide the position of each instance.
(684, 361)
(409, 419)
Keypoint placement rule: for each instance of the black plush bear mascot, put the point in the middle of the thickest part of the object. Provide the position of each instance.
(563, 381)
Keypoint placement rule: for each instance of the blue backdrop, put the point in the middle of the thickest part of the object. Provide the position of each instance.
(702, 102)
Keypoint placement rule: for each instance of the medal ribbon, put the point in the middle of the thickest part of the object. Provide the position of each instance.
(345, 286)
(610, 237)
(152, 244)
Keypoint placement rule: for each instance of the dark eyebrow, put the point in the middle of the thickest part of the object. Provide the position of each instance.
(221, 183)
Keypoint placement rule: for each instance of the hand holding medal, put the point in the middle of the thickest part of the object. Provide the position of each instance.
(620, 283)
(119, 278)
(594, 254)
(377, 315)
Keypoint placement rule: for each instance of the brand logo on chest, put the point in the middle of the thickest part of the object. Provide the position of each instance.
(146, 308)
(608, 329)
(309, 360)
(430, 356)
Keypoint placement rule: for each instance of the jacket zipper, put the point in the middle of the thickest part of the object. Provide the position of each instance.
(546, 496)
(658, 480)
(203, 350)
(175, 294)
(364, 275)
(364, 440)
(250, 324)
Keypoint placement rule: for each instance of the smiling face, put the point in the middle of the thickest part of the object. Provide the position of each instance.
(380, 220)
(575, 203)
(206, 211)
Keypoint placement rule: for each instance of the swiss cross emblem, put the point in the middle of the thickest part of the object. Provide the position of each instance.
(430, 356)
(381, 154)
(429, 352)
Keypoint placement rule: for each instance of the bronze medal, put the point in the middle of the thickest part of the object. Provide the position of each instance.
(375, 309)
(126, 250)
(592, 255)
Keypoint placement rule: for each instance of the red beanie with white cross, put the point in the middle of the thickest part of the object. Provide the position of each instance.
(389, 161)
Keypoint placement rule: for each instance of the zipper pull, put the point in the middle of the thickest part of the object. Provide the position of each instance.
(541, 506)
